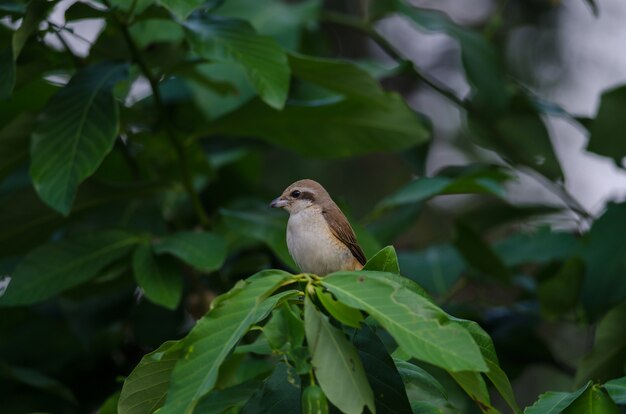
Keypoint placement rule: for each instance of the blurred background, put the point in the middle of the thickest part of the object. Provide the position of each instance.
(508, 214)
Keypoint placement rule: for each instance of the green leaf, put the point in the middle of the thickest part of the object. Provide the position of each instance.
(436, 268)
(110, 404)
(74, 134)
(203, 250)
(593, 401)
(280, 394)
(330, 130)
(285, 330)
(266, 228)
(389, 392)
(133, 7)
(617, 390)
(426, 394)
(539, 246)
(474, 179)
(385, 260)
(181, 8)
(602, 252)
(145, 388)
(282, 21)
(344, 314)
(608, 120)
(478, 253)
(58, 266)
(482, 64)
(159, 278)
(419, 327)
(216, 334)
(474, 385)
(606, 359)
(495, 374)
(231, 398)
(148, 31)
(231, 40)
(337, 365)
(555, 402)
(519, 136)
(7, 73)
(35, 12)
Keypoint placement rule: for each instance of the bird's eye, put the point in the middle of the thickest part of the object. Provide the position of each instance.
(295, 194)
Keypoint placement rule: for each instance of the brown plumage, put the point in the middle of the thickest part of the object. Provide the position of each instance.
(319, 237)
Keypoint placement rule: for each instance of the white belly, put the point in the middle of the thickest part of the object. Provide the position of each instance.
(312, 245)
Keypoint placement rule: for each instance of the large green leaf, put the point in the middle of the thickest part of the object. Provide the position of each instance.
(266, 228)
(555, 402)
(216, 334)
(344, 314)
(232, 40)
(475, 179)
(604, 128)
(418, 325)
(337, 129)
(617, 390)
(282, 21)
(385, 260)
(145, 388)
(181, 8)
(203, 250)
(608, 356)
(159, 278)
(425, 393)
(74, 134)
(602, 252)
(58, 266)
(338, 368)
(389, 392)
(593, 401)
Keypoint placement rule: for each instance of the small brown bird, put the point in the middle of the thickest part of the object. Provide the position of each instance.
(319, 237)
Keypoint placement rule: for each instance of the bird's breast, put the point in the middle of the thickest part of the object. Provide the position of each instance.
(313, 246)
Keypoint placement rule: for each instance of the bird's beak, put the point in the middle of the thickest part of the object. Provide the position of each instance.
(278, 203)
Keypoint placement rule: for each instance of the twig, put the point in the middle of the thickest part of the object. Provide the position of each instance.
(169, 131)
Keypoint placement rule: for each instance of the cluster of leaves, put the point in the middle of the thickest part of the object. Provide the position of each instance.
(136, 167)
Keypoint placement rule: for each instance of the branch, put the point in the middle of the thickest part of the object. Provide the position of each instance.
(169, 131)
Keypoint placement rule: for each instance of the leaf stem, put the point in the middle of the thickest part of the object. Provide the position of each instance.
(169, 130)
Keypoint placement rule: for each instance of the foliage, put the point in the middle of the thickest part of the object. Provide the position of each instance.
(134, 181)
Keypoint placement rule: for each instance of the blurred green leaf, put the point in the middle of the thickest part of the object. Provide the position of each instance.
(280, 394)
(145, 388)
(385, 260)
(74, 134)
(519, 136)
(265, 228)
(606, 359)
(382, 374)
(231, 398)
(436, 268)
(478, 253)
(338, 367)
(216, 334)
(560, 293)
(148, 31)
(35, 12)
(58, 266)
(593, 401)
(539, 246)
(110, 405)
(134, 7)
(13, 7)
(482, 64)
(235, 41)
(181, 8)
(419, 327)
(282, 21)
(555, 402)
(36, 379)
(7, 73)
(14, 142)
(473, 179)
(609, 119)
(159, 278)
(203, 250)
(426, 394)
(602, 251)
(617, 390)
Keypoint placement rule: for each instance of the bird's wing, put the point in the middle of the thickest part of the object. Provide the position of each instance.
(341, 229)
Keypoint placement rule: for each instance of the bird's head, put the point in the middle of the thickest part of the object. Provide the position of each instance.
(301, 195)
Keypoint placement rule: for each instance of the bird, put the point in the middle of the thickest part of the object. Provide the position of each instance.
(319, 237)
